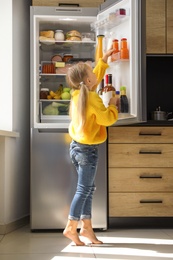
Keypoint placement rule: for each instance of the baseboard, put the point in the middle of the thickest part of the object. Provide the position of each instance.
(7, 228)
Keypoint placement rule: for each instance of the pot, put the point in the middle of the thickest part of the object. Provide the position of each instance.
(160, 115)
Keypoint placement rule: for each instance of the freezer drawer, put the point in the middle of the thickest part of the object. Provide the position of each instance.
(53, 181)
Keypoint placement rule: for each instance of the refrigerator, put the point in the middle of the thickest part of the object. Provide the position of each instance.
(53, 178)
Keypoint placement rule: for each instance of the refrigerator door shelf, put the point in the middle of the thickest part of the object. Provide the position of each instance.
(109, 22)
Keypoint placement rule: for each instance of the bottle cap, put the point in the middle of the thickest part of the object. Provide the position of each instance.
(115, 40)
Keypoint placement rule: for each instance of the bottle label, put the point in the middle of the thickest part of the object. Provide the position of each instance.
(106, 96)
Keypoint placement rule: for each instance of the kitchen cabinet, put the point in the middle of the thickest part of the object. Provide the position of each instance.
(80, 3)
(140, 170)
(159, 26)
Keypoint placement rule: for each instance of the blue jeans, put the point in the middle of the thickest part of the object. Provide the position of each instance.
(85, 159)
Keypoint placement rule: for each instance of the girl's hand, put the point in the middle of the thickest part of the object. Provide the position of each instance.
(114, 101)
(107, 54)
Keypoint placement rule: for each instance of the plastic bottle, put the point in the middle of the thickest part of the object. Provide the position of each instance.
(124, 52)
(124, 104)
(117, 94)
(99, 48)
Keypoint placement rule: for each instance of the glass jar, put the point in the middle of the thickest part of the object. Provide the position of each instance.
(59, 35)
(116, 53)
(44, 92)
(124, 52)
(67, 57)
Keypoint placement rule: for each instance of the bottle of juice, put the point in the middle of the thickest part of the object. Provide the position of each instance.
(99, 48)
(116, 54)
(124, 52)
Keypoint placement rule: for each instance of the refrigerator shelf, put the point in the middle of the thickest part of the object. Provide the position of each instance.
(67, 45)
(52, 74)
(55, 100)
(116, 62)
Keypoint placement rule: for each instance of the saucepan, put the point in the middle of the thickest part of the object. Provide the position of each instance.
(160, 115)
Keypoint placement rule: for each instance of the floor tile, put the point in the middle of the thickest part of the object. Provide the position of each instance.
(135, 244)
(119, 244)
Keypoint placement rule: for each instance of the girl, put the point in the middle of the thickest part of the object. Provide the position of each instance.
(89, 119)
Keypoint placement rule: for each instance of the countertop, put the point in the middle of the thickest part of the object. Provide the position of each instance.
(156, 123)
(4, 133)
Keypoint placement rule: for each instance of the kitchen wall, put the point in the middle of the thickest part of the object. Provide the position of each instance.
(159, 83)
(15, 152)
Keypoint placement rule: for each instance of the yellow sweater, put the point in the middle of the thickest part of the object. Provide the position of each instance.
(98, 117)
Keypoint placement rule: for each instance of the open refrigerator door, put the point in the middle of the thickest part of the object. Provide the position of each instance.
(49, 54)
(121, 24)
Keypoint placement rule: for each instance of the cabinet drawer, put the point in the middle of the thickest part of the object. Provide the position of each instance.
(81, 3)
(140, 180)
(140, 204)
(140, 155)
(140, 134)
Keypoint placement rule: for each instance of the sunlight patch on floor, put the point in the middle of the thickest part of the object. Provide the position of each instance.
(124, 246)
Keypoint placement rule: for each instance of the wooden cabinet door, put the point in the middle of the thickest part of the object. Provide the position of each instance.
(169, 26)
(156, 26)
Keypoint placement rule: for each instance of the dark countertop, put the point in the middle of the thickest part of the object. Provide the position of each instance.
(156, 123)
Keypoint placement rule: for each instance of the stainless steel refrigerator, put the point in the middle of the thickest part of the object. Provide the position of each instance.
(53, 178)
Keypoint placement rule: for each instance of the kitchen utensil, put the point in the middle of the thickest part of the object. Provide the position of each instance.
(160, 115)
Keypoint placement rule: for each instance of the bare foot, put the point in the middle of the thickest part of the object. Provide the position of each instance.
(89, 233)
(73, 236)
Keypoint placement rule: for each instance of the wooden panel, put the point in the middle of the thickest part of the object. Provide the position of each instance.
(140, 180)
(140, 155)
(169, 26)
(140, 134)
(81, 3)
(140, 204)
(156, 26)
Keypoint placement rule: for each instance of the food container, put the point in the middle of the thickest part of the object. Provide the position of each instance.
(59, 35)
(44, 92)
(67, 57)
(87, 37)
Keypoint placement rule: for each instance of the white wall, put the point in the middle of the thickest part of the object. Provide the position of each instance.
(15, 168)
(6, 65)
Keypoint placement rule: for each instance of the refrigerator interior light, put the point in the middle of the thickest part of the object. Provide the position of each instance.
(67, 19)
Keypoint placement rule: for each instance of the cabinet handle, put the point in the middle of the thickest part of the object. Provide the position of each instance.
(150, 152)
(151, 201)
(149, 133)
(157, 176)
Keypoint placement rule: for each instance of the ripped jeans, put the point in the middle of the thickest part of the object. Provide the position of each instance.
(85, 159)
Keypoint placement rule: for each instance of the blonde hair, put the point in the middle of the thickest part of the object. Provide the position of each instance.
(75, 78)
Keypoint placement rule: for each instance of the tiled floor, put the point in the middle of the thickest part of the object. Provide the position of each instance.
(136, 244)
